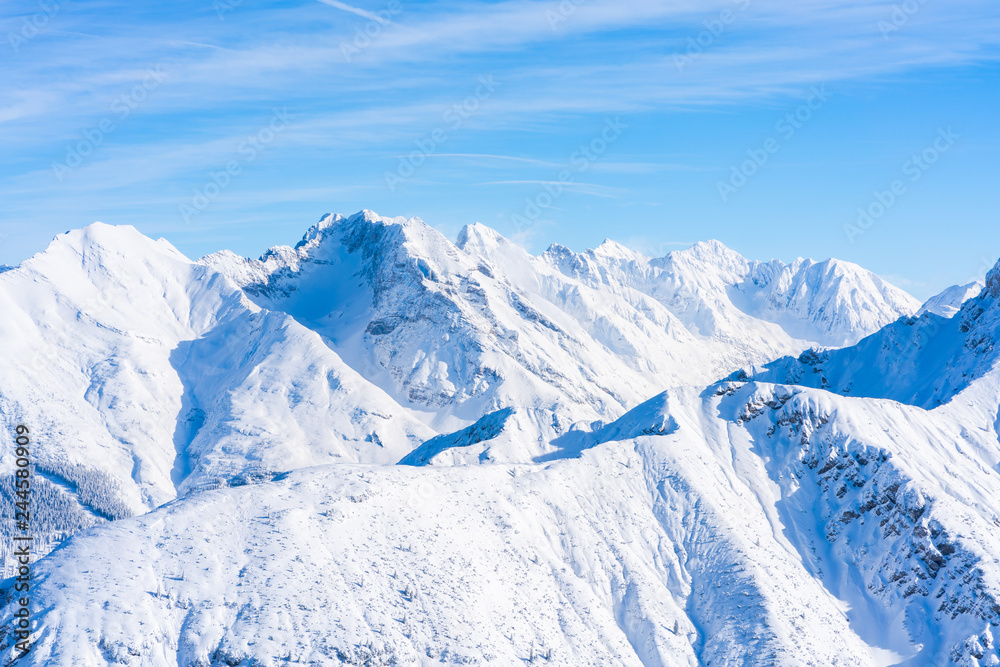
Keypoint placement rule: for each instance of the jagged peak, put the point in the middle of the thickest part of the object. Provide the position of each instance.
(993, 281)
(364, 215)
(711, 246)
(615, 250)
(832, 268)
(842, 267)
(281, 253)
(558, 249)
(369, 217)
(829, 268)
(327, 221)
(480, 234)
(712, 254)
(385, 240)
(710, 251)
(224, 254)
(950, 300)
(335, 223)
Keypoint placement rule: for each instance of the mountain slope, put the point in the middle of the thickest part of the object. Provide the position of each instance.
(547, 510)
(149, 375)
(458, 331)
(949, 301)
(141, 374)
(923, 360)
(765, 525)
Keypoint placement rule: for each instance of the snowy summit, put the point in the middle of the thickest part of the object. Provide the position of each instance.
(383, 447)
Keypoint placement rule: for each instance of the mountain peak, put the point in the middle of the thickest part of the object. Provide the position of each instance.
(97, 231)
(993, 281)
(722, 260)
(100, 239)
(558, 249)
(478, 234)
(711, 252)
(614, 250)
(949, 301)
(711, 248)
(357, 224)
(284, 396)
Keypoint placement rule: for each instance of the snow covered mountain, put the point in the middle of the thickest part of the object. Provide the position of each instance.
(922, 361)
(950, 300)
(749, 524)
(224, 432)
(454, 332)
(145, 374)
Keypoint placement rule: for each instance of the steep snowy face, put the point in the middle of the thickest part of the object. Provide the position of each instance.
(833, 302)
(142, 374)
(950, 300)
(88, 330)
(439, 331)
(923, 360)
(264, 395)
(746, 524)
(721, 295)
(993, 282)
(455, 332)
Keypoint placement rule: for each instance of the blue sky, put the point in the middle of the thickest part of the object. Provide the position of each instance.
(234, 123)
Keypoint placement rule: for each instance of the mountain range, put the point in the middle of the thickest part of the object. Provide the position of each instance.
(384, 447)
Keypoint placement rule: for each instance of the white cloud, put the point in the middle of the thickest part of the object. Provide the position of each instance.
(353, 10)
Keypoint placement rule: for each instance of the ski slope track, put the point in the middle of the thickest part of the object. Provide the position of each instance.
(381, 447)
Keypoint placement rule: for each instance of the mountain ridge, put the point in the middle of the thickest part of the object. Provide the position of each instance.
(577, 486)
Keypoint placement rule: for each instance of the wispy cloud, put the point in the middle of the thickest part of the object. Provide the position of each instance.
(353, 10)
(645, 167)
(559, 80)
(489, 157)
(583, 188)
(772, 51)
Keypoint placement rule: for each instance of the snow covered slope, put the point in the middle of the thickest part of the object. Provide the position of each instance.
(150, 375)
(142, 374)
(923, 360)
(740, 525)
(433, 323)
(719, 294)
(458, 331)
(949, 301)
(187, 416)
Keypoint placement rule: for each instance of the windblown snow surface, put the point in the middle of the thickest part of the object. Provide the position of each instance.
(384, 448)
